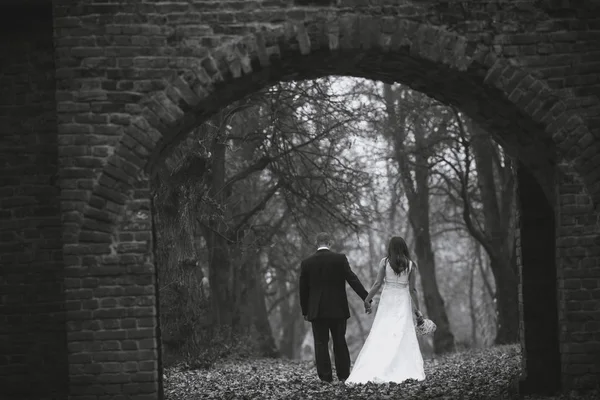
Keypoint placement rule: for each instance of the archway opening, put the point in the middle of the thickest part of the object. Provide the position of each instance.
(178, 160)
(471, 90)
(518, 110)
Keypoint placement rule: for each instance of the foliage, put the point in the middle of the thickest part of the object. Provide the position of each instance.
(468, 186)
(188, 335)
(213, 343)
(301, 157)
(300, 132)
(285, 172)
(483, 374)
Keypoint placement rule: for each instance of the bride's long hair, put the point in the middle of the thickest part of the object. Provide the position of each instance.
(398, 255)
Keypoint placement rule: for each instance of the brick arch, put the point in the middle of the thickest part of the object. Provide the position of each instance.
(518, 109)
(526, 116)
(522, 113)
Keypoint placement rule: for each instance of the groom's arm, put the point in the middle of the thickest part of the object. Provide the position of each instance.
(303, 289)
(353, 280)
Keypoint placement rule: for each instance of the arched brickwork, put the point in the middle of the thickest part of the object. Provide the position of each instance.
(532, 120)
(132, 78)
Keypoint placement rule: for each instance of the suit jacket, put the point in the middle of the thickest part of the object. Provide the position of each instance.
(323, 278)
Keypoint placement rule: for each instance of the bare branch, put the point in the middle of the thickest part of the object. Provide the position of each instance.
(258, 207)
(477, 233)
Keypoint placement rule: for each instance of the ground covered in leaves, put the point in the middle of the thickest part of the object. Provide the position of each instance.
(484, 374)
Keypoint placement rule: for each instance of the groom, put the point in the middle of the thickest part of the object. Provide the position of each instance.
(324, 304)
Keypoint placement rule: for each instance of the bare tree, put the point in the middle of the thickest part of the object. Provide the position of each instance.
(479, 179)
(270, 159)
(415, 180)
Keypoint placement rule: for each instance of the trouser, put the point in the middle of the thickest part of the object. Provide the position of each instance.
(321, 329)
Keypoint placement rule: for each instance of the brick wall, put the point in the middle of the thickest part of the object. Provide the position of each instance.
(32, 327)
(132, 78)
(538, 288)
(114, 346)
(578, 262)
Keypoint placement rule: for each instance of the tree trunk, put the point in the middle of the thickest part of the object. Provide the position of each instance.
(258, 310)
(443, 339)
(220, 272)
(292, 323)
(507, 302)
(236, 284)
(487, 311)
(219, 262)
(286, 317)
(288, 337)
(372, 254)
(496, 184)
(472, 312)
(417, 193)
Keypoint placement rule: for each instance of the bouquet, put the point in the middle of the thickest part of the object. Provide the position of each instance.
(424, 326)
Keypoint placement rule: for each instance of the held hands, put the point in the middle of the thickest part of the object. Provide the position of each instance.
(367, 305)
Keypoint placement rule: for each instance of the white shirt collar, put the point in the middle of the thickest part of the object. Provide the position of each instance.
(323, 248)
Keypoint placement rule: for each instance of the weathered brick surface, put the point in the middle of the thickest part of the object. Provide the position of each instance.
(113, 347)
(578, 262)
(132, 78)
(33, 355)
(538, 284)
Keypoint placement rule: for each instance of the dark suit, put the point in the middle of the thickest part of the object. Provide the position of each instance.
(323, 300)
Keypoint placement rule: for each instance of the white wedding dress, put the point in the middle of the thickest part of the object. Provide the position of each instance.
(391, 352)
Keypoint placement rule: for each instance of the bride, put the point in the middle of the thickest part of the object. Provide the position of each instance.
(391, 352)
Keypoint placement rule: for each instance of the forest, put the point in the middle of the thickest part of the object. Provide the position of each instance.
(237, 205)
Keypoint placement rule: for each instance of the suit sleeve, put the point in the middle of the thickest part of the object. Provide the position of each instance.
(303, 289)
(353, 280)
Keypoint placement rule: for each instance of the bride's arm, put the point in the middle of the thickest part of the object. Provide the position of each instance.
(378, 282)
(413, 288)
